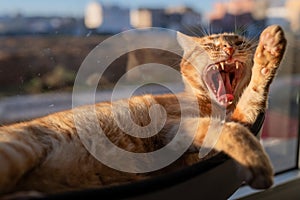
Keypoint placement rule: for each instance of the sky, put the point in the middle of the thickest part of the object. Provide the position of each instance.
(76, 8)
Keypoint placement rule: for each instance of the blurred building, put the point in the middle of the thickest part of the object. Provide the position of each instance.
(184, 19)
(93, 15)
(293, 14)
(242, 16)
(180, 18)
(113, 19)
(255, 15)
(141, 18)
(23, 25)
(107, 19)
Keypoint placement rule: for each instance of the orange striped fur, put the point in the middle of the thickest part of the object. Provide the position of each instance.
(47, 155)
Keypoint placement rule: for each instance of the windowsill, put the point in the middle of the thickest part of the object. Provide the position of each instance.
(279, 180)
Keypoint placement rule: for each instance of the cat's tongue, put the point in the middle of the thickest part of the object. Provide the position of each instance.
(224, 93)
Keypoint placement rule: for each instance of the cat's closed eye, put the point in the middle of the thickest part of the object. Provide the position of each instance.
(238, 43)
(208, 45)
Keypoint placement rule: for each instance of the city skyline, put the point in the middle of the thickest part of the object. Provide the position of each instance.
(70, 8)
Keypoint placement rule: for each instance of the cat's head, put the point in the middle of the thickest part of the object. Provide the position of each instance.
(217, 65)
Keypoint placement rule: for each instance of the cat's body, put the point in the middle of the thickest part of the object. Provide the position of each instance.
(47, 154)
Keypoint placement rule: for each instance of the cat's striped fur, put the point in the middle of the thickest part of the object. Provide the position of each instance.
(47, 155)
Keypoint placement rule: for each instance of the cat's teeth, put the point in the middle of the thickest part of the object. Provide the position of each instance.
(222, 65)
(215, 67)
(237, 65)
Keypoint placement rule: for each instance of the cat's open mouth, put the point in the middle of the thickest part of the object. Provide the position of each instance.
(222, 79)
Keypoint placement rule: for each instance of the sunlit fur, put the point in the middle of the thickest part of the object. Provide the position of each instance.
(47, 155)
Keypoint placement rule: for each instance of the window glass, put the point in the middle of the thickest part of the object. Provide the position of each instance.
(42, 46)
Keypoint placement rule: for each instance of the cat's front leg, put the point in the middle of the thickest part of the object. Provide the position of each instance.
(239, 143)
(267, 58)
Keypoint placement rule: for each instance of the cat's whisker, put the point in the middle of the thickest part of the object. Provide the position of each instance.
(190, 29)
(253, 40)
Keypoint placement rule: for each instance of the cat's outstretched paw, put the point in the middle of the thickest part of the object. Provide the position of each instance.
(270, 50)
(260, 177)
(240, 144)
(259, 172)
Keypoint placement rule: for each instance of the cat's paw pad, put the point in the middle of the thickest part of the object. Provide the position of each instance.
(270, 49)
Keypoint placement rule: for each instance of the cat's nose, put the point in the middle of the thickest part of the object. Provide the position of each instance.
(228, 50)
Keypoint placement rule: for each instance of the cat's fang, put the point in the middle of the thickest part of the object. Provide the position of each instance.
(222, 65)
(237, 65)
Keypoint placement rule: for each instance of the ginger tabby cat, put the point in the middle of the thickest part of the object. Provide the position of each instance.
(47, 155)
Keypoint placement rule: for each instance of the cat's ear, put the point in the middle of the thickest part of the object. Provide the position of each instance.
(186, 42)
